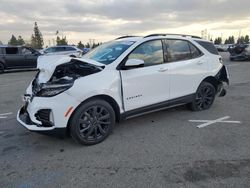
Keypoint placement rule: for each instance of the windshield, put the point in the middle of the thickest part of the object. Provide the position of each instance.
(108, 52)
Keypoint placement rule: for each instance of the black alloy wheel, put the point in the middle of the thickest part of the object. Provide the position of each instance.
(204, 98)
(92, 122)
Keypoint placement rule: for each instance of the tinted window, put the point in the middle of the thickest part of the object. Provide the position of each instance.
(177, 50)
(208, 46)
(150, 52)
(70, 49)
(11, 50)
(50, 50)
(1, 50)
(59, 49)
(194, 51)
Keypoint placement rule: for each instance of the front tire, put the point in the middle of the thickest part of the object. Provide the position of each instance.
(92, 122)
(204, 97)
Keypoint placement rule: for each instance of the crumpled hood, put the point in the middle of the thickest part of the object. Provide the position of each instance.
(48, 64)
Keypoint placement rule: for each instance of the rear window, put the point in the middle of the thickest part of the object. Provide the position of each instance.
(11, 50)
(208, 46)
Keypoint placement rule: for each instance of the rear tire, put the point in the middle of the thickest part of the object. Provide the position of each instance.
(92, 122)
(1, 68)
(204, 97)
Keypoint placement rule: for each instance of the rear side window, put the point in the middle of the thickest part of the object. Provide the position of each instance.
(177, 50)
(208, 46)
(1, 50)
(11, 50)
(195, 52)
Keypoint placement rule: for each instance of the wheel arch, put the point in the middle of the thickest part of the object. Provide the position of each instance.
(104, 97)
(212, 80)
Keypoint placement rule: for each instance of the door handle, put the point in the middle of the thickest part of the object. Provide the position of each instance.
(162, 69)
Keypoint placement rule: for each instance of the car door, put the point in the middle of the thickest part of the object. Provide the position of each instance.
(147, 85)
(60, 50)
(30, 57)
(12, 57)
(187, 67)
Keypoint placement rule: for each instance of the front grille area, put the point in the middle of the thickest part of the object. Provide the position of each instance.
(44, 116)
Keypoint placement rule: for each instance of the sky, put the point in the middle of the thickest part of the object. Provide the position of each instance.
(104, 20)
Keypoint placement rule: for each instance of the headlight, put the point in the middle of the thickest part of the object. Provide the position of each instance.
(50, 90)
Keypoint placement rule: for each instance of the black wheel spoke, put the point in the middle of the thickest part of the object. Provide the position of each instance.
(84, 129)
(104, 122)
(90, 132)
(104, 117)
(101, 129)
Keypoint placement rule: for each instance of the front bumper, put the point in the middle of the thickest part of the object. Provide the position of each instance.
(58, 106)
(24, 119)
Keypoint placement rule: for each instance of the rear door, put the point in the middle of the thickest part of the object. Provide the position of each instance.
(144, 86)
(187, 67)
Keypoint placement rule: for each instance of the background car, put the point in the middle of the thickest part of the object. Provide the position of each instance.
(16, 57)
(239, 52)
(71, 51)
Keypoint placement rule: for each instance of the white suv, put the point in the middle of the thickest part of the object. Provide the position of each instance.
(124, 78)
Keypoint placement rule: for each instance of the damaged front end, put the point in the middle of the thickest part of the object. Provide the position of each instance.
(62, 78)
(41, 112)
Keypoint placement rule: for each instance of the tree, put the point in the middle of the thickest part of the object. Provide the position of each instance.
(230, 40)
(246, 40)
(218, 40)
(20, 40)
(80, 45)
(241, 40)
(37, 38)
(61, 41)
(87, 45)
(1, 42)
(13, 41)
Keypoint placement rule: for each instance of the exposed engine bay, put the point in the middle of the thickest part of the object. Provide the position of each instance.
(62, 78)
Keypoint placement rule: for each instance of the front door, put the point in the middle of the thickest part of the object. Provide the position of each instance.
(146, 85)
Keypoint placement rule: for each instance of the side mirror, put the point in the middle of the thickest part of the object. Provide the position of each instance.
(133, 63)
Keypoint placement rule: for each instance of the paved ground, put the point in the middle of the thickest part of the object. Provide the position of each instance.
(162, 149)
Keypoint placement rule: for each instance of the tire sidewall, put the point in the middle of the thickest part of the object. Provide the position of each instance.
(74, 130)
(1, 68)
(201, 86)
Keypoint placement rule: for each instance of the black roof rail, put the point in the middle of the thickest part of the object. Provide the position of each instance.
(126, 36)
(182, 35)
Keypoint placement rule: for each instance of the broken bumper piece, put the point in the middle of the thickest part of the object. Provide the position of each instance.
(24, 119)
